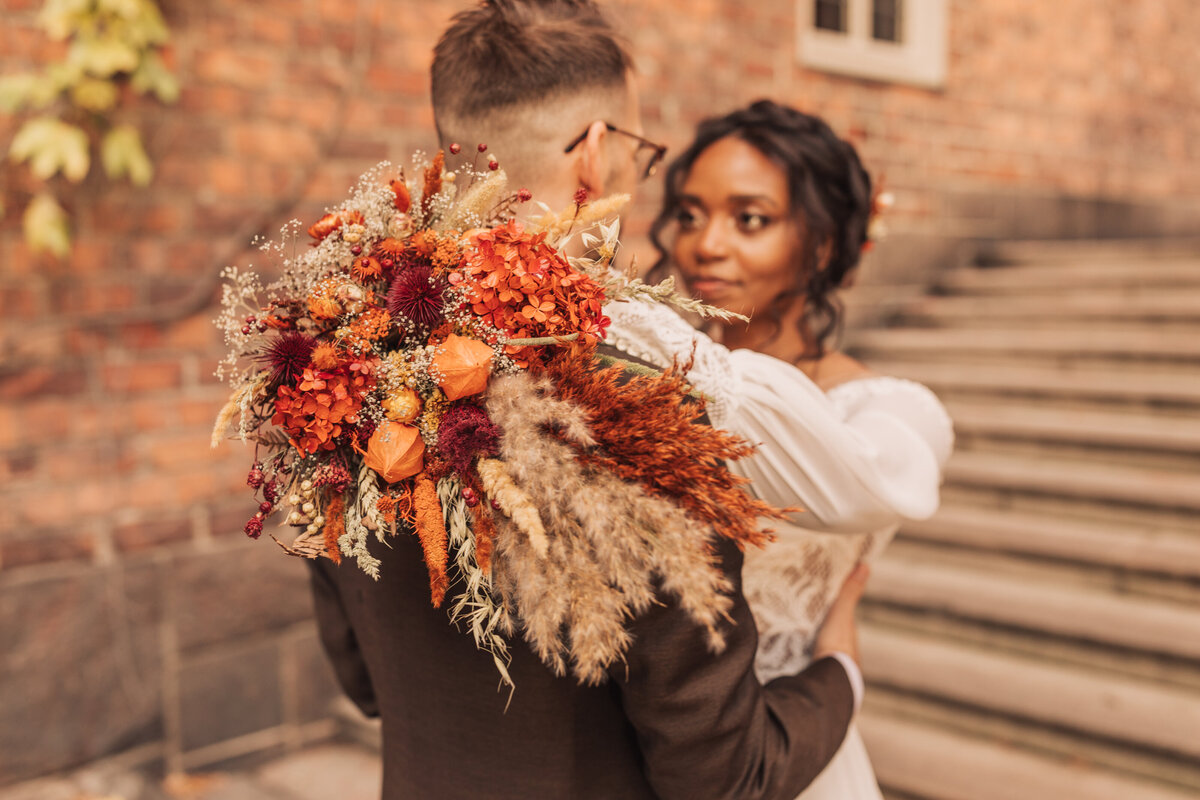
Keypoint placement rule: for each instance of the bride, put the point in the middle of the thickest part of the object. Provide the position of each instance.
(766, 214)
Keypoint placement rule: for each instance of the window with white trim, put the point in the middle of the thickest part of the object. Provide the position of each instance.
(899, 41)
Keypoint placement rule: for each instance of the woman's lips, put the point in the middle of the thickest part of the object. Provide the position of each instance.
(710, 287)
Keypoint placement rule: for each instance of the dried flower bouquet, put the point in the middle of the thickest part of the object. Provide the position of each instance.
(428, 367)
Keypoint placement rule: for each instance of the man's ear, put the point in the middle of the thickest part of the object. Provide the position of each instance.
(592, 166)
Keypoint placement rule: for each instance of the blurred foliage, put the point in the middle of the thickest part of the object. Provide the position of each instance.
(112, 46)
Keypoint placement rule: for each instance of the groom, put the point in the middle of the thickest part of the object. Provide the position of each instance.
(546, 84)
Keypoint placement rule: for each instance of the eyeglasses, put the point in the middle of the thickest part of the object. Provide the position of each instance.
(656, 151)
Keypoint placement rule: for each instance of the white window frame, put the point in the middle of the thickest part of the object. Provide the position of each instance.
(919, 58)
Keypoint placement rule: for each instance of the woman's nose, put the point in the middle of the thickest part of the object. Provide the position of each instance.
(714, 242)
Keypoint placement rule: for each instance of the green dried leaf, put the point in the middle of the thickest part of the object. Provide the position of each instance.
(46, 228)
(122, 154)
(51, 146)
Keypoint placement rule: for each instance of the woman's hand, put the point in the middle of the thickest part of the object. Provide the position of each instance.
(839, 633)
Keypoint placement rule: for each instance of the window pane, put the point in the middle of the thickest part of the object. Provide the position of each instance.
(885, 22)
(831, 15)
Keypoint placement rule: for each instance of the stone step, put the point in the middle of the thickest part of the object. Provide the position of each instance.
(1143, 344)
(1090, 383)
(1042, 251)
(1109, 483)
(1087, 305)
(1037, 279)
(1172, 433)
(928, 762)
(1088, 701)
(1145, 548)
(1032, 602)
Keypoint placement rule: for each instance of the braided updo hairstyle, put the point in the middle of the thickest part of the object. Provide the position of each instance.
(829, 192)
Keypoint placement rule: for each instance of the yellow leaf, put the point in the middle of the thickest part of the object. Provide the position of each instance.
(103, 57)
(15, 91)
(46, 227)
(153, 76)
(94, 94)
(61, 18)
(121, 8)
(51, 146)
(122, 153)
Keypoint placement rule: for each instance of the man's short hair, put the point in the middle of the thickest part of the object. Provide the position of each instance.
(507, 53)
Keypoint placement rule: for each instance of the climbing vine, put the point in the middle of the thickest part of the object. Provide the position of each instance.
(73, 105)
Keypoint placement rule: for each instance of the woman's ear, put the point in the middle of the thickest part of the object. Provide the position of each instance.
(592, 165)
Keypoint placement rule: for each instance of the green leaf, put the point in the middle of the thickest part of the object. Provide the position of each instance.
(46, 228)
(51, 146)
(153, 76)
(104, 56)
(94, 94)
(122, 153)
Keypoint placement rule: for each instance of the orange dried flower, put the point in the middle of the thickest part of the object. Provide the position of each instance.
(647, 431)
(366, 269)
(325, 357)
(402, 199)
(431, 530)
(523, 286)
(315, 413)
(391, 248)
(335, 526)
(433, 182)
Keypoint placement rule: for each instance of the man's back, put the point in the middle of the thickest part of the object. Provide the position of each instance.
(674, 720)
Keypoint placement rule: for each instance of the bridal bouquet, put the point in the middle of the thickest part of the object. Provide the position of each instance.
(429, 367)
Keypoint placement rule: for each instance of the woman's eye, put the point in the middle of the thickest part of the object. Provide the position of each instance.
(753, 222)
(687, 219)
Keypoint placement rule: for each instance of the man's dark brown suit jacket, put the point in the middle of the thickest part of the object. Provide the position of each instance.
(674, 722)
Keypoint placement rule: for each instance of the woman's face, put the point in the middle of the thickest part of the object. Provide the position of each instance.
(738, 240)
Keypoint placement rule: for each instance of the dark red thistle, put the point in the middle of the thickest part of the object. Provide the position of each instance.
(417, 295)
(288, 356)
(465, 432)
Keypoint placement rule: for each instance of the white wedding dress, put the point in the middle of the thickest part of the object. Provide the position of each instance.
(859, 458)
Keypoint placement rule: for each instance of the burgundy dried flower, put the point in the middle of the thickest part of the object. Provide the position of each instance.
(271, 491)
(289, 355)
(255, 478)
(254, 527)
(335, 476)
(581, 196)
(465, 432)
(417, 294)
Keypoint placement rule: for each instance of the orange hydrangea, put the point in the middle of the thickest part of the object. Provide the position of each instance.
(317, 411)
(521, 285)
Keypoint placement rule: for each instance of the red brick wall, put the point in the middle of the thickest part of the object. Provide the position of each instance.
(107, 483)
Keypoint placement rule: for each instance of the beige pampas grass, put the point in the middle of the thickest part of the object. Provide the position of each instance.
(513, 502)
(608, 541)
(577, 218)
(477, 203)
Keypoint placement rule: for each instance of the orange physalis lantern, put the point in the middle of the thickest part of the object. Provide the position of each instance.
(463, 366)
(396, 451)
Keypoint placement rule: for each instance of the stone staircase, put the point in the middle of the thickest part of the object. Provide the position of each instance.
(1040, 637)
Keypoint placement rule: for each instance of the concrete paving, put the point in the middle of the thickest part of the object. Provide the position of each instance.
(331, 771)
